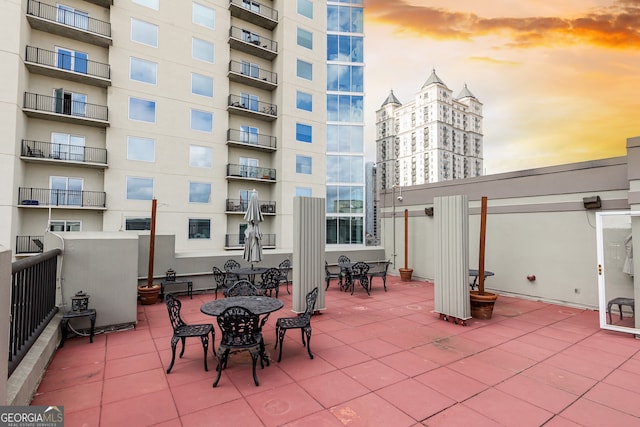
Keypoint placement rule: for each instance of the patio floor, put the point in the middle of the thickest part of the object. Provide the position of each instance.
(384, 360)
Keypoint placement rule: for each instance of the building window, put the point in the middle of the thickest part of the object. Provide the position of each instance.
(142, 110)
(203, 15)
(250, 69)
(345, 78)
(67, 147)
(345, 230)
(143, 71)
(70, 103)
(303, 132)
(139, 188)
(199, 228)
(249, 134)
(304, 70)
(200, 157)
(202, 50)
(345, 169)
(305, 38)
(137, 223)
(141, 149)
(303, 164)
(304, 101)
(72, 60)
(144, 32)
(345, 108)
(151, 4)
(202, 121)
(305, 8)
(345, 48)
(249, 101)
(201, 85)
(345, 139)
(73, 17)
(66, 191)
(344, 19)
(303, 191)
(199, 192)
(345, 199)
(65, 225)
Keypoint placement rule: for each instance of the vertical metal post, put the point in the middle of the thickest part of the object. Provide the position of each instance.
(152, 242)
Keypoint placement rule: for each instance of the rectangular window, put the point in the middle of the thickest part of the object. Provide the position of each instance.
(142, 110)
(201, 121)
(151, 4)
(137, 223)
(144, 32)
(249, 101)
(249, 134)
(304, 70)
(73, 17)
(304, 101)
(201, 85)
(305, 8)
(303, 132)
(67, 147)
(199, 228)
(250, 69)
(199, 192)
(72, 60)
(203, 15)
(65, 225)
(139, 188)
(345, 108)
(303, 192)
(345, 169)
(66, 191)
(141, 149)
(305, 38)
(303, 164)
(202, 50)
(200, 157)
(69, 103)
(143, 71)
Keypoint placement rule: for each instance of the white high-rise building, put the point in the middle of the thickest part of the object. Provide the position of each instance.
(437, 137)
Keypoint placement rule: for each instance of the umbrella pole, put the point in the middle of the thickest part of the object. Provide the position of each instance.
(152, 242)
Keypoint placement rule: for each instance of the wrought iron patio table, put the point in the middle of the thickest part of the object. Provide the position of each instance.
(475, 274)
(249, 272)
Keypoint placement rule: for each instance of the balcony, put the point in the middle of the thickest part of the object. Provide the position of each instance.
(74, 199)
(248, 107)
(64, 66)
(71, 24)
(251, 75)
(254, 141)
(64, 154)
(254, 12)
(29, 245)
(239, 206)
(251, 173)
(236, 241)
(251, 43)
(64, 109)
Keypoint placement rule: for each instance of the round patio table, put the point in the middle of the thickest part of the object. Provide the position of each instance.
(255, 304)
(249, 272)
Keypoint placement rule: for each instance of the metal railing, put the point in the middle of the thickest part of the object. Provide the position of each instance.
(240, 205)
(29, 244)
(244, 137)
(71, 18)
(253, 38)
(63, 61)
(28, 196)
(252, 71)
(73, 153)
(237, 240)
(247, 103)
(255, 172)
(33, 302)
(257, 8)
(50, 104)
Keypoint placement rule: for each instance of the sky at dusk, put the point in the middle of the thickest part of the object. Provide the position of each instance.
(559, 80)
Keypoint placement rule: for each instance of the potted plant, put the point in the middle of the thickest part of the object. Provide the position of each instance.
(149, 293)
(406, 272)
(482, 302)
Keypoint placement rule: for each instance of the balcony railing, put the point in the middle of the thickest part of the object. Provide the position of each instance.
(254, 12)
(237, 241)
(67, 62)
(29, 244)
(252, 75)
(72, 153)
(252, 43)
(77, 20)
(246, 104)
(65, 106)
(253, 139)
(28, 196)
(251, 172)
(240, 206)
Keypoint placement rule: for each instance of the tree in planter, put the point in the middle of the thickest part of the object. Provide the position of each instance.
(482, 302)
(149, 292)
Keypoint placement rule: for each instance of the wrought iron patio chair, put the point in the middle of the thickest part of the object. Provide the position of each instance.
(222, 282)
(359, 273)
(285, 267)
(328, 275)
(302, 322)
(229, 266)
(382, 273)
(270, 281)
(243, 288)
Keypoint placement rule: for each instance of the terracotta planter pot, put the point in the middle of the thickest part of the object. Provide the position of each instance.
(405, 273)
(148, 294)
(482, 305)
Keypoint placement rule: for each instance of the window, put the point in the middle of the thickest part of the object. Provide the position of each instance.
(142, 110)
(143, 32)
(141, 149)
(151, 4)
(345, 230)
(345, 169)
(344, 19)
(249, 101)
(303, 191)
(199, 228)
(65, 225)
(345, 48)
(303, 164)
(139, 188)
(70, 103)
(200, 157)
(345, 139)
(143, 71)
(305, 8)
(344, 108)
(65, 191)
(303, 132)
(67, 147)
(345, 199)
(201, 121)
(305, 38)
(304, 101)
(203, 15)
(201, 85)
(250, 69)
(199, 192)
(202, 50)
(249, 167)
(68, 59)
(137, 223)
(73, 17)
(304, 70)
(249, 135)
(345, 78)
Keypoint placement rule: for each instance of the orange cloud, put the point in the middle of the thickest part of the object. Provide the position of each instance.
(616, 26)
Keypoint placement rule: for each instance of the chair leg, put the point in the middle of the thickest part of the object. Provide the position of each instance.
(328, 280)
(205, 346)
(384, 282)
(254, 359)
(174, 343)
(308, 332)
(222, 361)
(183, 339)
(280, 339)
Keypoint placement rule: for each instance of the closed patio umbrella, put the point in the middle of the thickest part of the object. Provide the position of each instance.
(252, 234)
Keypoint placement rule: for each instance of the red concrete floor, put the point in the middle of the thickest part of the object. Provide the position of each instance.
(380, 360)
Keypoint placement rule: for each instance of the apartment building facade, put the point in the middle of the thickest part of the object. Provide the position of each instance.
(436, 137)
(112, 103)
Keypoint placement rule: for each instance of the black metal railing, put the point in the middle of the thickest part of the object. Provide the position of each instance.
(28, 196)
(33, 302)
(73, 153)
(255, 172)
(247, 103)
(71, 18)
(240, 205)
(244, 137)
(64, 61)
(253, 38)
(29, 244)
(237, 240)
(257, 8)
(64, 105)
(253, 71)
